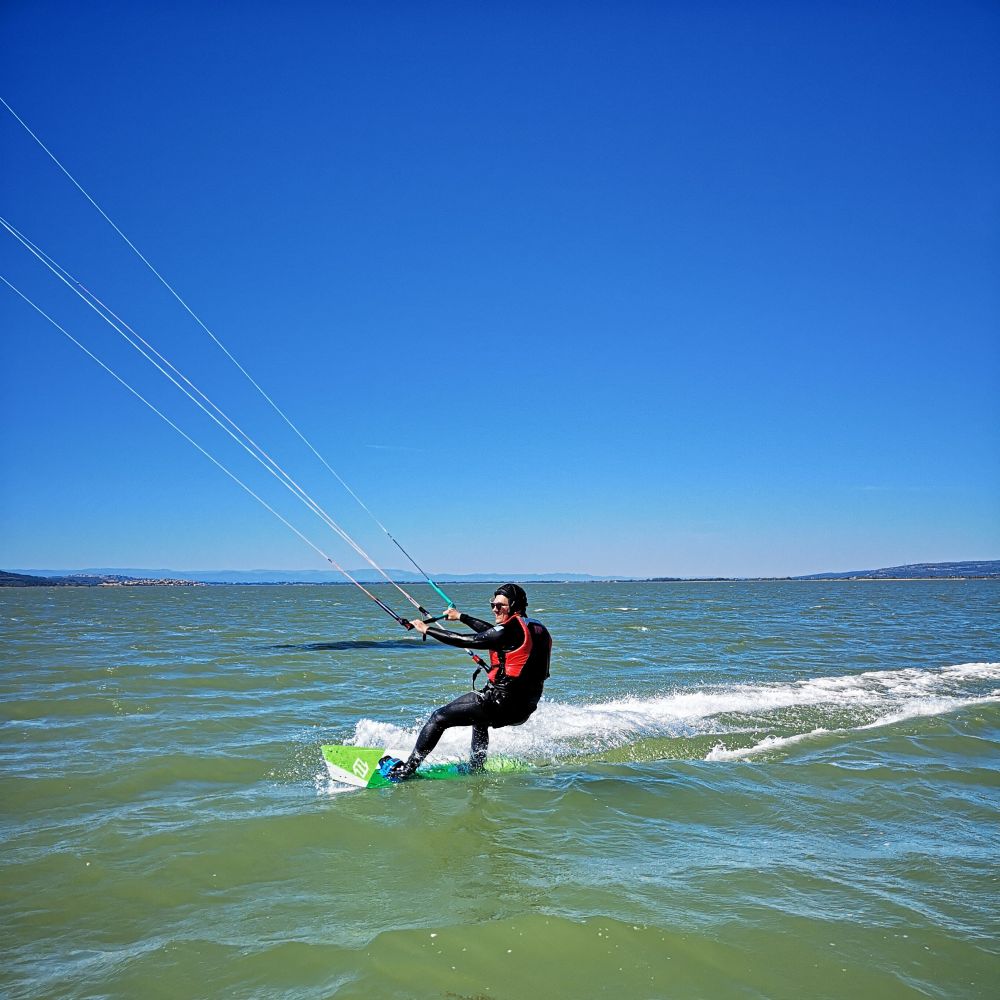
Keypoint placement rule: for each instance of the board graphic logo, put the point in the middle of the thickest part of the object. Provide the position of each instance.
(361, 768)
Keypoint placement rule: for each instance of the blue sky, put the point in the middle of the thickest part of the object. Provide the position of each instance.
(634, 288)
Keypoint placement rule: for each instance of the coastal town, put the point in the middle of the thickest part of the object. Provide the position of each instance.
(87, 580)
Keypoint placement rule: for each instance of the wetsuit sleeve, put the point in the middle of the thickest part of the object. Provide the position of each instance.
(476, 624)
(493, 637)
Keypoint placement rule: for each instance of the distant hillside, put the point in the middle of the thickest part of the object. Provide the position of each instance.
(24, 580)
(978, 568)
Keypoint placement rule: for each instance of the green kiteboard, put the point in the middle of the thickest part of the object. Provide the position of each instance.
(359, 766)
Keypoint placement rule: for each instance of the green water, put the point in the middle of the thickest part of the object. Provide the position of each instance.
(736, 790)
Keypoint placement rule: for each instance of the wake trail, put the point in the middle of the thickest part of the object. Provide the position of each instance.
(781, 714)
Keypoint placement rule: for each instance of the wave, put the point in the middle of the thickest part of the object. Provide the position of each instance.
(692, 723)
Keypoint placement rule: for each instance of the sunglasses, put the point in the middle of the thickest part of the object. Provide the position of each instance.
(499, 607)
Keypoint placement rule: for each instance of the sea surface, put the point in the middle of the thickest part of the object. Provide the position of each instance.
(736, 790)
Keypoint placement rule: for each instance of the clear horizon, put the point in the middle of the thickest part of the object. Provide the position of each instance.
(402, 575)
(643, 291)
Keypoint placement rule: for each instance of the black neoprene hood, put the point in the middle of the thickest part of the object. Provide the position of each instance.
(515, 594)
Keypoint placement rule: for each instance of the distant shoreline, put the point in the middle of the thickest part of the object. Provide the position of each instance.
(22, 580)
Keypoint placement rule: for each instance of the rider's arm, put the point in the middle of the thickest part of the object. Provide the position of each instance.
(476, 624)
(492, 637)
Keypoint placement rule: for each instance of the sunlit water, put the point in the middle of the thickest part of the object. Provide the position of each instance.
(735, 790)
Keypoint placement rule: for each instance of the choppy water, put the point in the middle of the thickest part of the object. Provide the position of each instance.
(739, 790)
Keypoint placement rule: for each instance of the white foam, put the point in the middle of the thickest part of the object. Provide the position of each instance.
(719, 752)
(560, 728)
(981, 671)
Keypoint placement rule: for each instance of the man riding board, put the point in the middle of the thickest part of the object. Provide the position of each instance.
(519, 649)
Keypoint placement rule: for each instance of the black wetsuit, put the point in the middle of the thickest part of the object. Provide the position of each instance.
(507, 700)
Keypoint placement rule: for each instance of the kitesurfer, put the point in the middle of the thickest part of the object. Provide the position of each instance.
(519, 648)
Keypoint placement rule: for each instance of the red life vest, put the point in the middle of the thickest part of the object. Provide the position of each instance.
(514, 661)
